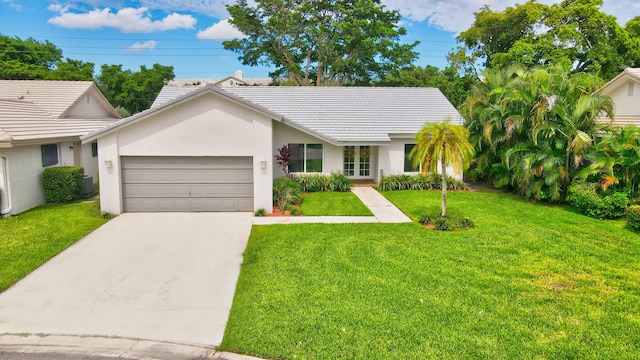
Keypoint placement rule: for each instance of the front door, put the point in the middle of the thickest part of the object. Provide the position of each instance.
(357, 162)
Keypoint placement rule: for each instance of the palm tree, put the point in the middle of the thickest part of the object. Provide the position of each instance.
(444, 142)
(532, 128)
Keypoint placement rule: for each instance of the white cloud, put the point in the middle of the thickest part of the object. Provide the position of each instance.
(222, 30)
(127, 20)
(214, 8)
(457, 15)
(147, 45)
(13, 4)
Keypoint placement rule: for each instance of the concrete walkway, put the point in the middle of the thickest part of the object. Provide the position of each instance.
(383, 212)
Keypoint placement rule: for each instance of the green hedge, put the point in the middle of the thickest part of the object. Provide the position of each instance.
(62, 183)
(587, 200)
(419, 182)
(633, 217)
(323, 182)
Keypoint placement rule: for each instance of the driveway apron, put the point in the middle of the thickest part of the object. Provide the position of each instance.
(162, 276)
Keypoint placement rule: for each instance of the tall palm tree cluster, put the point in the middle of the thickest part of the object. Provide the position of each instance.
(535, 130)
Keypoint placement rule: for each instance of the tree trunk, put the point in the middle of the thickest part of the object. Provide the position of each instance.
(443, 213)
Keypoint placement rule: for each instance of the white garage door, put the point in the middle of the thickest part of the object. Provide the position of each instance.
(176, 183)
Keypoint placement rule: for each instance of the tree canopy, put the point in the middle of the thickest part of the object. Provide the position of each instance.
(573, 32)
(327, 42)
(134, 91)
(454, 86)
(34, 60)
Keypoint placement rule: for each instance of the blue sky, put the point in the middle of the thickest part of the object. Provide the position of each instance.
(188, 34)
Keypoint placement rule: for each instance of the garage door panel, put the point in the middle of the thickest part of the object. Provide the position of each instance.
(187, 184)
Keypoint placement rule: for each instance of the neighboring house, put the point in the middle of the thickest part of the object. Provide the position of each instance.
(40, 126)
(212, 148)
(237, 80)
(624, 90)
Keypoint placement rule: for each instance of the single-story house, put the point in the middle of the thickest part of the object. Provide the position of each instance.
(213, 149)
(40, 126)
(624, 90)
(236, 79)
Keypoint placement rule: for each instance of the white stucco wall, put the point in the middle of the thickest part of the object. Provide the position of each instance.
(391, 159)
(204, 126)
(284, 134)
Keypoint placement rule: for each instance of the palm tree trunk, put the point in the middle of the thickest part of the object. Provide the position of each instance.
(443, 212)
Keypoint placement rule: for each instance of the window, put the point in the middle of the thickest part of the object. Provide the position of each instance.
(349, 160)
(305, 158)
(408, 164)
(94, 149)
(49, 154)
(365, 160)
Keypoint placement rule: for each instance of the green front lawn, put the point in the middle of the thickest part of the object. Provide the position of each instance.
(30, 239)
(529, 281)
(333, 204)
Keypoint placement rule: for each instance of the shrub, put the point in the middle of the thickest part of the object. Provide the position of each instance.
(586, 199)
(419, 182)
(286, 191)
(260, 212)
(339, 182)
(452, 223)
(313, 182)
(63, 183)
(442, 223)
(633, 217)
(323, 182)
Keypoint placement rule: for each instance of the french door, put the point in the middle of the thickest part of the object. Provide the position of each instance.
(357, 162)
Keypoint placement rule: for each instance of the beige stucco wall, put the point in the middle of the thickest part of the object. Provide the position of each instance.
(204, 126)
(88, 162)
(625, 104)
(88, 106)
(22, 181)
(24, 170)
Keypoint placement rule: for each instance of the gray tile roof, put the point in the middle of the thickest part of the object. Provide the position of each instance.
(33, 111)
(345, 114)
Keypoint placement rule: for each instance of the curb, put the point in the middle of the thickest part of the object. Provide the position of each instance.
(134, 349)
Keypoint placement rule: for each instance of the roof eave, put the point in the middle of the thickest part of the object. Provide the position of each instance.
(178, 101)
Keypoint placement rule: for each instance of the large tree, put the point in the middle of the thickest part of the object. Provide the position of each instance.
(30, 59)
(454, 86)
(442, 144)
(572, 32)
(135, 91)
(327, 42)
(532, 128)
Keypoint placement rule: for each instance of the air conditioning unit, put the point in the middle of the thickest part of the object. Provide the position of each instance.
(87, 185)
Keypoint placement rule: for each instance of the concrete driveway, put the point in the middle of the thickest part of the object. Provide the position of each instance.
(164, 276)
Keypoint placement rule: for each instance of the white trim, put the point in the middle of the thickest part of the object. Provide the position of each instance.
(4, 172)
